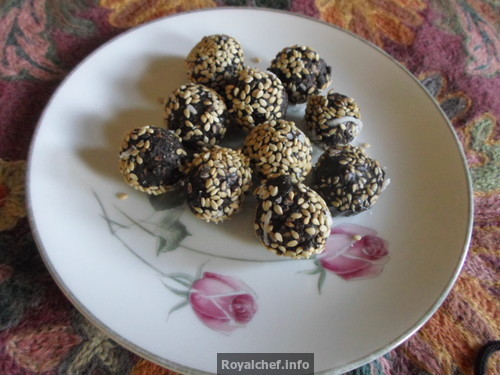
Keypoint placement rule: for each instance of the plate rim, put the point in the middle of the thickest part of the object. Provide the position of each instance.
(172, 365)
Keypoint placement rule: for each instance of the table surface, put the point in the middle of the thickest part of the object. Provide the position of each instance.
(452, 47)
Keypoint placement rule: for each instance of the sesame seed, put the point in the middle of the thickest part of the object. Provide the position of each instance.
(278, 210)
(311, 231)
(122, 196)
(273, 190)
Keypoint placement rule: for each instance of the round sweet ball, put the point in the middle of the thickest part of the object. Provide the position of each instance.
(214, 60)
(279, 147)
(216, 182)
(302, 71)
(333, 119)
(197, 114)
(255, 96)
(291, 219)
(152, 159)
(348, 180)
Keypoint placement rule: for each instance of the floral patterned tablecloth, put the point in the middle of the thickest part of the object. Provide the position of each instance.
(451, 46)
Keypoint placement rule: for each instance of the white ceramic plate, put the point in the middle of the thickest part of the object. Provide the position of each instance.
(103, 251)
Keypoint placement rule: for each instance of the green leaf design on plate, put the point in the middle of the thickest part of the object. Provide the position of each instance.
(178, 292)
(321, 279)
(185, 282)
(182, 278)
(317, 270)
(165, 201)
(170, 231)
(179, 306)
(312, 272)
(199, 270)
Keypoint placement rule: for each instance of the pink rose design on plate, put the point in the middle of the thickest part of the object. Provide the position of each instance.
(222, 303)
(352, 252)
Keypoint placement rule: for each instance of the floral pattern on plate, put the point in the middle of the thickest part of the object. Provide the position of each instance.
(221, 302)
(352, 252)
(225, 303)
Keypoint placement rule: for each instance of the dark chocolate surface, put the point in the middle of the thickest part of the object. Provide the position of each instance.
(216, 183)
(254, 97)
(348, 180)
(197, 114)
(291, 219)
(151, 159)
(302, 72)
(279, 147)
(332, 120)
(215, 60)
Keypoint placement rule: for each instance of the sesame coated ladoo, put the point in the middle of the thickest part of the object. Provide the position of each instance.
(216, 182)
(254, 97)
(214, 60)
(197, 114)
(152, 159)
(348, 180)
(279, 147)
(291, 219)
(302, 71)
(333, 119)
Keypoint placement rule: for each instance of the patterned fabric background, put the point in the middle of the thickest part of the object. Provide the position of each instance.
(452, 46)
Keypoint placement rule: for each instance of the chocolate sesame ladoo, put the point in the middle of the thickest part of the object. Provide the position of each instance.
(214, 60)
(279, 147)
(291, 219)
(333, 119)
(216, 182)
(302, 71)
(348, 180)
(254, 97)
(152, 159)
(197, 114)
